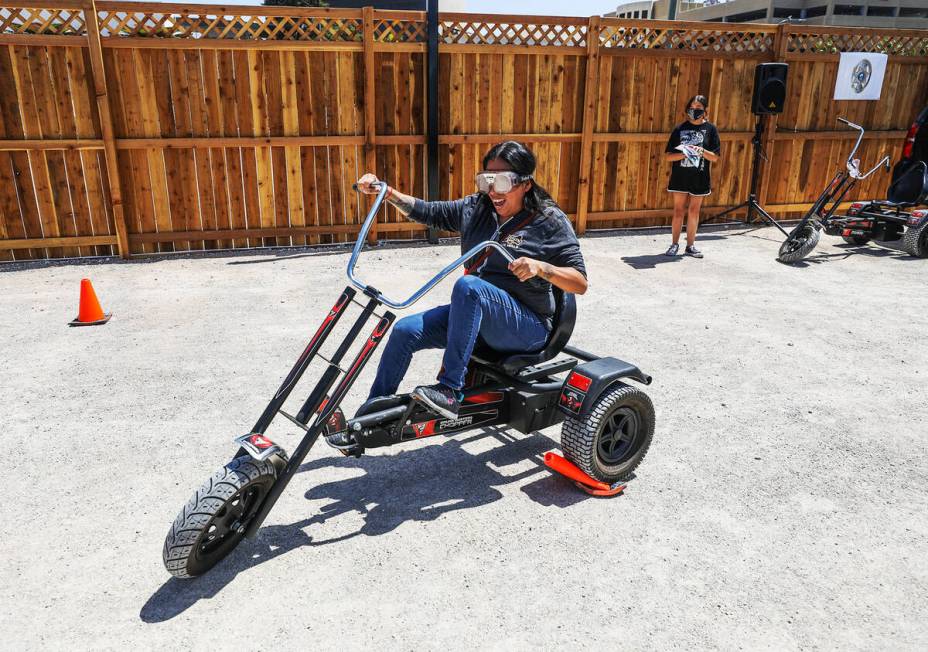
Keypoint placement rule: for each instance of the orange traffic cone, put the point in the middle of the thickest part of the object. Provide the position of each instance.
(89, 313)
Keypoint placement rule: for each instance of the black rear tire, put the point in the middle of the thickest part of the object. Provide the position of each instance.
(916, 241)
(213, 521)
(800, 243)
(856, 240)
(611, 440)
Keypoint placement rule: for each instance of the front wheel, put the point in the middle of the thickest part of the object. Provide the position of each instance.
(610, 441)
(800, 243)
(214, 520)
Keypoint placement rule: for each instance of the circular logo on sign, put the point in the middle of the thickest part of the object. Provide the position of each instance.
(860, 76)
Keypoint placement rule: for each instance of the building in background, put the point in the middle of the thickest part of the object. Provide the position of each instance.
(634, 9)
(911, 14)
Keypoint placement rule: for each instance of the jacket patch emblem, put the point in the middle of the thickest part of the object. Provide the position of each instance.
(513, 240)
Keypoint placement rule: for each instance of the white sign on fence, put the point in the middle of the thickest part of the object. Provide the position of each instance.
(860, 76)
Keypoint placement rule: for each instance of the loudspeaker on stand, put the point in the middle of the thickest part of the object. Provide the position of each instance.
(769, 88)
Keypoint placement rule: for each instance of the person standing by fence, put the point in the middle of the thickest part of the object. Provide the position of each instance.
(692, 148)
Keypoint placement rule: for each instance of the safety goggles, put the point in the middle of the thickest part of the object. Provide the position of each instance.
(500, 182)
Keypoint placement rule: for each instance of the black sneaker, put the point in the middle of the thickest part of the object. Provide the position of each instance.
(342, 441)
(337, 434)
(441, 398)
(691, 250)
(672, 250)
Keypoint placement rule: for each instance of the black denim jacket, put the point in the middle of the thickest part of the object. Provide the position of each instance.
(548, 237)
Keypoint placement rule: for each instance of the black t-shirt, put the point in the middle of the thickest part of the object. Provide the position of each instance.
(692, 173)
(548, 237)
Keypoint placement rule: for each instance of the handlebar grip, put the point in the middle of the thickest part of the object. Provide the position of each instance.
(376, 184)
(851, 124)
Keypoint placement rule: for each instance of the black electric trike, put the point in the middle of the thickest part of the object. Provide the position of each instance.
(804, 237)
(607, 424)
(883, 221)
(898, 217)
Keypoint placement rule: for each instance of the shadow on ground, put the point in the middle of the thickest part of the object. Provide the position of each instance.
(850, 250)
(650, 261)
(413, 485)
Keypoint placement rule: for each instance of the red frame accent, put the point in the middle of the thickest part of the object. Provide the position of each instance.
(424, 429)
(260, 441)
(485, 397)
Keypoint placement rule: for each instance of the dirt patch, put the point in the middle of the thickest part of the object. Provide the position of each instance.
(782, 503)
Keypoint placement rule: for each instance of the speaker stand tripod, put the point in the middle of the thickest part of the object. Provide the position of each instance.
(751, 202)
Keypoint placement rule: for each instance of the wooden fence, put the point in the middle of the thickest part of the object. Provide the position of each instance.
(146, 127)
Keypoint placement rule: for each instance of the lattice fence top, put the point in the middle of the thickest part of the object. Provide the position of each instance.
(701, 40)
(399, 31)
(210, 25)
(511, 33)
(59, 22)
(347, 26)
(822, 42)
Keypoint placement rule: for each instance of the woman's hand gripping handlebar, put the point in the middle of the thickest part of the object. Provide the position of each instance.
(368, 186)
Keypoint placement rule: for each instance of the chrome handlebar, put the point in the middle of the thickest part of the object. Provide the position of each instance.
(418, 294)
(853, 165)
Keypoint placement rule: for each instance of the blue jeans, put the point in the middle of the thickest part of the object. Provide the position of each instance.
(477, 308)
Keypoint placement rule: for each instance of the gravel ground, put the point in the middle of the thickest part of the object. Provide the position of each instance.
(782, 504)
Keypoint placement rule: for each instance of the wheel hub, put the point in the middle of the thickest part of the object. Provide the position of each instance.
(230, 520)
(620, 432)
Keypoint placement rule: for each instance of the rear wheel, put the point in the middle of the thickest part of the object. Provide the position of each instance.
(915, 242)
(610, 441)
(856, 240)
(213, 521)
(800, 243)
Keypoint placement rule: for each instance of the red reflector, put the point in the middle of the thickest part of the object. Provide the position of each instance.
(580, 382)
(919, 213)
(846, 232)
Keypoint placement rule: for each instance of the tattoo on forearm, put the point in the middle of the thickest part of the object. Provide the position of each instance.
(402, 203)
(547, 272)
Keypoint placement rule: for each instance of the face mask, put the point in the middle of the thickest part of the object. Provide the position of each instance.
(695, 114)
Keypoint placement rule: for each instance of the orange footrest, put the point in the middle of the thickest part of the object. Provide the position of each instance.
(583, 481)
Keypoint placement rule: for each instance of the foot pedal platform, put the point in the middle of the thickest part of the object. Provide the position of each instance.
(581, 479)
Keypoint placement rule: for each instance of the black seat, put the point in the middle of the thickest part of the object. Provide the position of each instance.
(910, 184)
(565, 316)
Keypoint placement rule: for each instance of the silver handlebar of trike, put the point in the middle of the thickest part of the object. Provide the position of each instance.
(852, 163)
(418, 294)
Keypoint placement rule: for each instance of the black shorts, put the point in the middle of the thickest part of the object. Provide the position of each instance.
(693, 182)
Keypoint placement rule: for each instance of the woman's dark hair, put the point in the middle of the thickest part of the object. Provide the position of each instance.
(702, 99)
(522, 161)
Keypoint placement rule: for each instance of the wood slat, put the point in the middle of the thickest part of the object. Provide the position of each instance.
(590, 96)
(69, 243)
(36, 40)
(113, 187)
(230, 9)
(143, 43)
